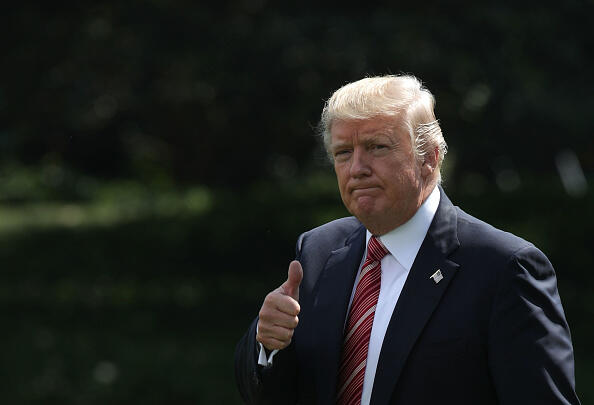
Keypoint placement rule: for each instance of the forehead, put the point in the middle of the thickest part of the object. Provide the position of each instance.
(352, 130)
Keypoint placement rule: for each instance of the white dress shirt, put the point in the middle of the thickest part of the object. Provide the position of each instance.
(403, 244)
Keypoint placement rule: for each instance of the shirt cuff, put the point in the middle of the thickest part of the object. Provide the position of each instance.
(262, 359)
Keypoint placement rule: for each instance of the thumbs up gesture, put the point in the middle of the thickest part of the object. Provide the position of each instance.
(278, 315)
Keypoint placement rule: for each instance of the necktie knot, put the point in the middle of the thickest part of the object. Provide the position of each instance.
(375, 250)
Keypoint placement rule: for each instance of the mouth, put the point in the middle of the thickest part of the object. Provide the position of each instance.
(363, 190)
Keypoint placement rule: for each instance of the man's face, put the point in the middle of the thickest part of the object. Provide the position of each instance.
(379, 177)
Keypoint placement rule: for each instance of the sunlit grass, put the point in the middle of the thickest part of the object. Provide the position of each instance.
(113, 205)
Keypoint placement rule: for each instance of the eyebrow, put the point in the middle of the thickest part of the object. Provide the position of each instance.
(339, 145)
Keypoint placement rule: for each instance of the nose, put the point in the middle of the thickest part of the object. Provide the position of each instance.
(360, 163)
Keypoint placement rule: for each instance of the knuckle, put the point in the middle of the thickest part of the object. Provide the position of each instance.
(268, 300)
(293, 307)
(265, 329)
(265, 313)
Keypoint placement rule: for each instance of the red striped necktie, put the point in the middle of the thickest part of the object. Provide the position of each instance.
(358, 327)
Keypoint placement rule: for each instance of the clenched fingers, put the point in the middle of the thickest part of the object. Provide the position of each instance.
(277, 320)
(282, 302)
(272, 344)
(273, 317)
(274, 337)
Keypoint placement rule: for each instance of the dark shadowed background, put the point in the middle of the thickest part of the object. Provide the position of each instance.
(158, 161)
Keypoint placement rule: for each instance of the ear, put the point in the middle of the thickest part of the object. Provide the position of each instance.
(430, 163)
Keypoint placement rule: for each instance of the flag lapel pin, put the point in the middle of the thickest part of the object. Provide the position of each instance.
(437, 276)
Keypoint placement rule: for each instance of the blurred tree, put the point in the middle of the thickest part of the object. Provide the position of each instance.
(195, 92)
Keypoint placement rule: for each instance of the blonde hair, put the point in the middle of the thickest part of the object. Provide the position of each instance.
(402, 98)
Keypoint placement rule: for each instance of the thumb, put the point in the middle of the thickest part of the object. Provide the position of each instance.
(295, 275)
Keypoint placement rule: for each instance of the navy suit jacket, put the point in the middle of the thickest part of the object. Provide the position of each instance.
(492, 331)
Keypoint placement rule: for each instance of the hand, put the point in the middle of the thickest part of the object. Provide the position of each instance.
(278, 315)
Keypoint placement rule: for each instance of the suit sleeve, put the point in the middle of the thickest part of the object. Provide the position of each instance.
(530, 350)
(276, 384)
(264, 385)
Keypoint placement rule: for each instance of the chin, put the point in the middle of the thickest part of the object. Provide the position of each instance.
(361, 210)
(365, 216)
(365, 206)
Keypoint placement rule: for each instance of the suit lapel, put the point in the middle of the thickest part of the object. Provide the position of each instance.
(418, 299)
(331, 300)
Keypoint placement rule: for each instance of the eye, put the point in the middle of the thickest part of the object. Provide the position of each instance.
(342, 154)
(378, 146)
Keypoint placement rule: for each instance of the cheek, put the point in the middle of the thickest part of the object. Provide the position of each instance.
(343, 193)
(342, 181)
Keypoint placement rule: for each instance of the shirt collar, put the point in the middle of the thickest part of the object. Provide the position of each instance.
(405, 241)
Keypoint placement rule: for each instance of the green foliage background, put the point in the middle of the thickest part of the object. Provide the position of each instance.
(152, 153)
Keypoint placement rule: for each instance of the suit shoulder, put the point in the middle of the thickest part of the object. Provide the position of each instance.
(314, 247)
(335, 232)
(326, 238)
(484, 238)
(498, 255)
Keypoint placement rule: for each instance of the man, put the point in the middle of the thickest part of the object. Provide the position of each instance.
(411, 301)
